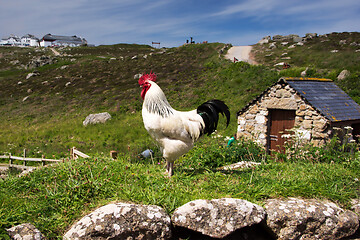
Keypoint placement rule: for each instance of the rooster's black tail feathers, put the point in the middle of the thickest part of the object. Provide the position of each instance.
(209, 111)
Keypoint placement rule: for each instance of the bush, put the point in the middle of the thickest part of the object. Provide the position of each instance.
(337, 150)
(217, 154)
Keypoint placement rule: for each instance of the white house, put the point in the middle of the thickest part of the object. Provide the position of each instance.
(12, 40)
(3, 42)
(30, 40)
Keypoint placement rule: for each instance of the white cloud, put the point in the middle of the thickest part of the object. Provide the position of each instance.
(248, 8)
(305, 9)
(170, 21)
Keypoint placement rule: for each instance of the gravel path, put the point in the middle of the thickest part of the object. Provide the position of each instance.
(55, 52)
(241, 53)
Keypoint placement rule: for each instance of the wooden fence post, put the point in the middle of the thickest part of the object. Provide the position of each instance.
(24, 156)
(43, 160)
(72, 157)
(10, 160)
(75, 154)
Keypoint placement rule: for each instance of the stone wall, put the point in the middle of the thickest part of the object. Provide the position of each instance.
(225, 218)
(310, 125)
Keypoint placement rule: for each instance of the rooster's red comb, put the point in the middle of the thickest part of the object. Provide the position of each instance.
(147, 77)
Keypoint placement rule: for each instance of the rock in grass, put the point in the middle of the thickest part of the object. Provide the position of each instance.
(356, 206)
(25, 98)
(304, 73)
(25, 231)
(123, 221)
(217, 218)
(343, 75)
(240, 165)
(309, 219)
(32, 75)
(97, 118)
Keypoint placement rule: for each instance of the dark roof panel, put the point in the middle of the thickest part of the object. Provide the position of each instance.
(326, 97)
(64, 39)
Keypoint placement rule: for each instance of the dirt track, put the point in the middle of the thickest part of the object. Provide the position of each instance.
(241, 53)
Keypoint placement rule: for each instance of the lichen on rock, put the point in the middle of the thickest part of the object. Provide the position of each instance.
(121, 221)
(218, 217)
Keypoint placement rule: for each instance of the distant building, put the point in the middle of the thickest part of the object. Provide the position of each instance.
(12, 40)
(3, 42)
(50, 40)
(30, 41)
(27, 40)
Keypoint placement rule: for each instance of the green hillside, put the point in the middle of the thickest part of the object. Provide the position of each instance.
(43, 114)
(324, 56)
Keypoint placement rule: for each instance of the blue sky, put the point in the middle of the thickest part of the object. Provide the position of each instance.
(172, 22)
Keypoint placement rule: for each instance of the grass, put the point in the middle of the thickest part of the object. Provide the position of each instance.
(54, 197)
(315, 52)
(316, 55)
(55, 142)
(49, 123)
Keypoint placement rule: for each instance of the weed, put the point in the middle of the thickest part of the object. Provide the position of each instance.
(339, 149)
(221, 155)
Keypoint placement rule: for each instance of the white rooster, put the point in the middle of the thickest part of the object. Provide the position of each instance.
(176, 131)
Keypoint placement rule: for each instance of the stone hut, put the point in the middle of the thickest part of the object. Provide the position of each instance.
(304, 109)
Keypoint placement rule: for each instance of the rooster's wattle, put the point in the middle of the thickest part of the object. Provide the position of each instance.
(176, 131)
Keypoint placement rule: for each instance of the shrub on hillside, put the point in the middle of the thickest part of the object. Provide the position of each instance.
(337, 150)
(218, 154)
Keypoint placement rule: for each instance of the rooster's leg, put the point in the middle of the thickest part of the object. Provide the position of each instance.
(169, 168)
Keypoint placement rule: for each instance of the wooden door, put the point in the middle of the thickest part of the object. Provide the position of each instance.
(280, 122)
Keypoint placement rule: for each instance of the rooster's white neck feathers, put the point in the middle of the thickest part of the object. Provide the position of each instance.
(155, 101)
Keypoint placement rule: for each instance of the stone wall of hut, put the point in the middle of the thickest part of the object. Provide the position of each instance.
(310, 125)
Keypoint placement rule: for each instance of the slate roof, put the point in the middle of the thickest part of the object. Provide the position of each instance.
(11, 36)
(30, 36)
(326, 97)
(64, 39)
